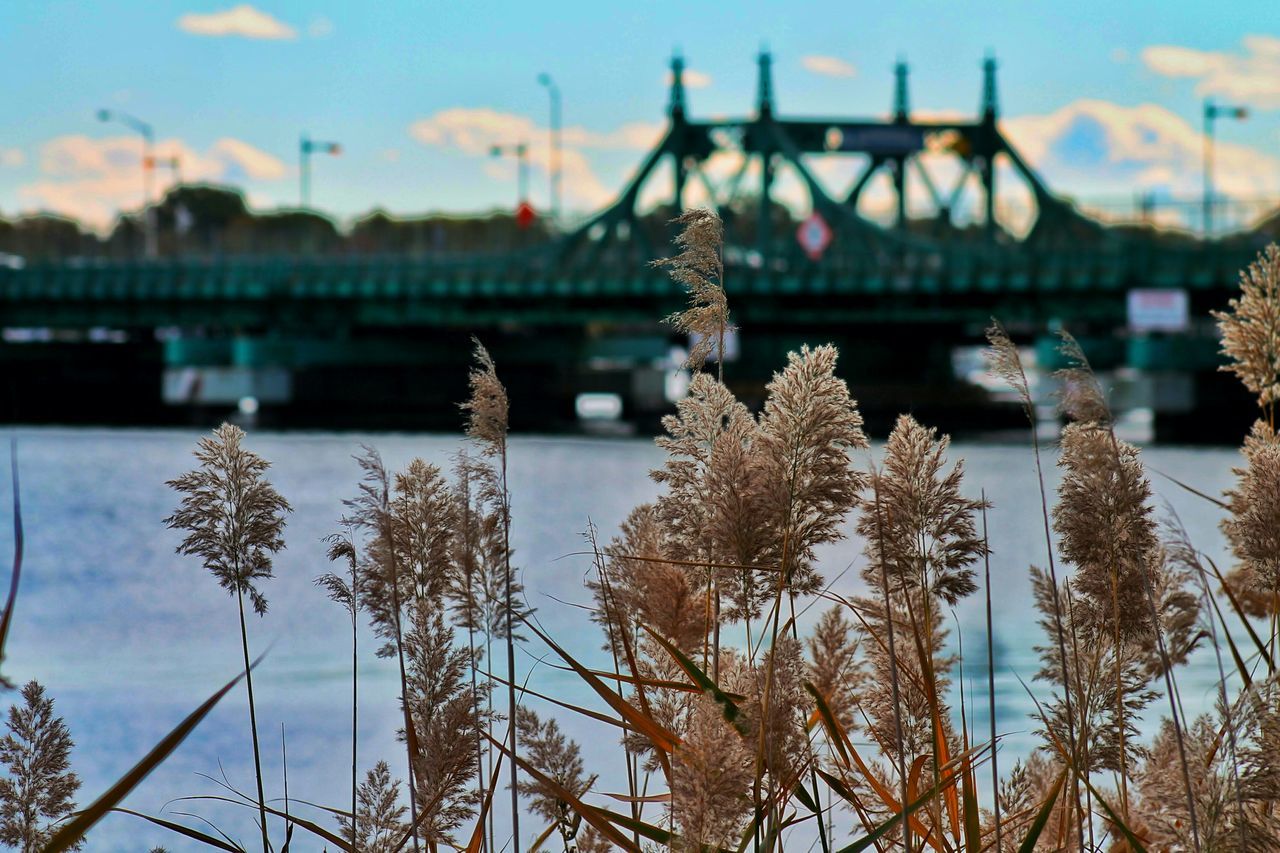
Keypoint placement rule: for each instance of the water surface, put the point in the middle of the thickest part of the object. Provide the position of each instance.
(129, 637)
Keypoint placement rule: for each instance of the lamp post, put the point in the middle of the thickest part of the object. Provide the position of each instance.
(1212, 112)
(148, 171)
(553, 90)
(521, 152)
(306, 147)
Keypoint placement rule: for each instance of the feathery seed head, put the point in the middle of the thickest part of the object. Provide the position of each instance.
(1080, 396)
(700, 268)
(711, 780)
(233, 516)
(487, 408)
(1250, 328)
(1253, 526)
(920, 529)
(1105, 526)
(1003, 360)
(809, 425)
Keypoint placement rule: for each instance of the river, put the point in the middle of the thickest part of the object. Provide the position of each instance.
(129, 637)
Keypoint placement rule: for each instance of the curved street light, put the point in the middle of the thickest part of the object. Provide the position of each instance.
(545, 80)
(1214, 111)
(148, 170)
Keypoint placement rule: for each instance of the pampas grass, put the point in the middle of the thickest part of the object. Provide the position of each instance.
(234, 520)
(40, 789)
(850, 729)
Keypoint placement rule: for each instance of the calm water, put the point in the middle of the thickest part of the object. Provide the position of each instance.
(129, 638)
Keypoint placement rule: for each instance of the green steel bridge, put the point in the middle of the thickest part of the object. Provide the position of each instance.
(384, 340)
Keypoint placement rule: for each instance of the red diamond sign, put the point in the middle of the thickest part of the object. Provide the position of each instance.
(525, 215)
(814, 235)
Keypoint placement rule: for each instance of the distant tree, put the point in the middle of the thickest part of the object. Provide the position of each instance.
(38, 792)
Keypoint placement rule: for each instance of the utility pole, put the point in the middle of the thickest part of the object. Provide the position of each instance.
(306, 147)
(521, 152)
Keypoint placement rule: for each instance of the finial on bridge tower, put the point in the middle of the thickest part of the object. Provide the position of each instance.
(764, 84)
(675, 107)
(901, 103)
(990, 104)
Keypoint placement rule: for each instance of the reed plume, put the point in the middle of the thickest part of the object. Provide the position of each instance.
(1250, 329)
(379, 819)
(39, 792)
(808, 427)
(234, 520)
(560, 759)
(1229, 820)
(643, 588)
(424, 509)
(487, 423)
(710, 781)
(380, 586)
(1252, 526)
(1004, 360)
(835, 667)
(345, 592)
(447, 718)
(921, 545)
(713, 502)
(1080, 396)
(700, 268)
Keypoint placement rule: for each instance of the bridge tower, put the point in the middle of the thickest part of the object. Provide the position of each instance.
(676, 110)
(988, 136)
(764, 117)
(901, 115)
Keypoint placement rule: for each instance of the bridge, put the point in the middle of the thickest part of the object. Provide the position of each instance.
(373, 339)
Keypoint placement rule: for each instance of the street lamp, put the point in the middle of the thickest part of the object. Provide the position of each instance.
(544, 79)
(1214, 111)
(148, 170)
(521, 152)
(306, 147)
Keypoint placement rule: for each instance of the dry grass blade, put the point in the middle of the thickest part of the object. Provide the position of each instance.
(646, 725)
(7, 619)
(70, 834)
(202, 837)
(1032, 837)
(589, 813)
(888, 826)
(728, 707)
(477, 835)
(309, 826)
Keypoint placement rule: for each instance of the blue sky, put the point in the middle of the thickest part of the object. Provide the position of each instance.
(1104, 98)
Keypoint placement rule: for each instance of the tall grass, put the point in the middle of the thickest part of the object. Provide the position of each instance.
(855, 737)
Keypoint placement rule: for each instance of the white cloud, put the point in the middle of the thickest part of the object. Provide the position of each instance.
(1098, 147)
(474, 131)
(693, 79)
(256, 164)
(243, 20)
(1252, 76)
(828, 66)
(390, 155)
(93, 179)
(12, 157)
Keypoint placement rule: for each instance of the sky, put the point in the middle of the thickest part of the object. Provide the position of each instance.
(1103, 98)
